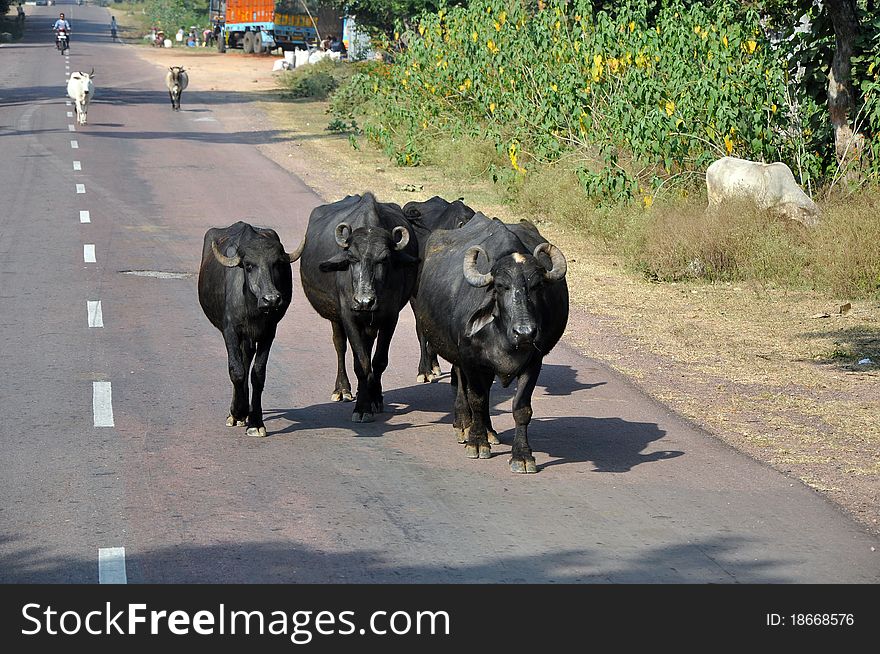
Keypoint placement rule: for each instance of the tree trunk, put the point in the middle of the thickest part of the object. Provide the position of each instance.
(840, 97)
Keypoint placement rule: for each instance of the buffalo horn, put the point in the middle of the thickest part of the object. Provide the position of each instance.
(229, 262)
(473, 276)
(343, 235)
(297, 253)
(557, 259)
(404, 237)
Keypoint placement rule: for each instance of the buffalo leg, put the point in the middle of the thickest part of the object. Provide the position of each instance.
(478, 383)
(521, 459)
(462, 414)
(361, 347)
(255, 426)
(238, 410)
(461, 419)
(429, 368)
(380, 363)
(342, 391)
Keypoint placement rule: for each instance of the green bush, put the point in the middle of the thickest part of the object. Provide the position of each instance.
(644, 95)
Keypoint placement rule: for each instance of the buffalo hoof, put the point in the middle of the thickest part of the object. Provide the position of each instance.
(378, 407)
(472, 451)
(341, 396)
(493, 438)
(461, 435)
(523, 465)
(436, 370)
(366, 416)
(256, 431)
(485, 451)
(232, 422)
(423, 378)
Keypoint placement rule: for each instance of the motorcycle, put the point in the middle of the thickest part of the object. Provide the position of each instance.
(62, 40)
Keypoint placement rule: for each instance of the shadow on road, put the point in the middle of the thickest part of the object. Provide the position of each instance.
(714, 560)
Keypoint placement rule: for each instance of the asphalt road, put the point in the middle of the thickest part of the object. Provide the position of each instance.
(626, 491)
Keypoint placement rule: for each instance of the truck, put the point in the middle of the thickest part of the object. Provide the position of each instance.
(257, 26)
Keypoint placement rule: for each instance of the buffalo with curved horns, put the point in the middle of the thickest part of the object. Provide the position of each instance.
(358, 271)
(493, 301)
(245, 287)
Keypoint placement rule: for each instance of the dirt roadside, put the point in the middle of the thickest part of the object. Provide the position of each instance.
(773, 373)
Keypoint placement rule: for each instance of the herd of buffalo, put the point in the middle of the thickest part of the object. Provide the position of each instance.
(489, 297)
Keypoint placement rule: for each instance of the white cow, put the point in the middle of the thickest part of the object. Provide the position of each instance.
(771, 187)
(81, 89)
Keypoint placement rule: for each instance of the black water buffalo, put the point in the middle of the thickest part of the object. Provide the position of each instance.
(427, 217)
(358, 270)
(499, 322)
(245, 287)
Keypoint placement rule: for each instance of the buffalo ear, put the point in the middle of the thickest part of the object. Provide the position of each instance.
(481, 317)
(339, 262)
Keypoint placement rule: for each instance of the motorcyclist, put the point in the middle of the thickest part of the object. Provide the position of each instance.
(62, 25)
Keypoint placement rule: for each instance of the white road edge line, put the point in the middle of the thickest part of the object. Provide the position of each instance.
(80, 188)
(89, 253)
(96, 316)
(111, 565)
(102, 404)
(85, 217)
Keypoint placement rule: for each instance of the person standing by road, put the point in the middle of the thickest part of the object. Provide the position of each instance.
(113, 27)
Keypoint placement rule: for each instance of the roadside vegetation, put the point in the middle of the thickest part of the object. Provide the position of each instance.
(604, 116)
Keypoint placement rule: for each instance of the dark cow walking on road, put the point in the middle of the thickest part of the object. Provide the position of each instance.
(245, 286)
(427, 217)
(499, 322)
(358, 271)
(176, 79)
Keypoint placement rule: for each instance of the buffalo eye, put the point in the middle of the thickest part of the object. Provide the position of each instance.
(249, 267)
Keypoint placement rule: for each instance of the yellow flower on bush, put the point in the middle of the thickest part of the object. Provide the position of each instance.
(773, 108)
(728, 144)
(494, 49)
(751, 45)
(492, 107)
(497, 26)
(475, 36)
(421, 30)
(648, 200)
(632, 26)
(511, 151)
(696, 29)
(724, 41)
(554, 87)
(670, 107)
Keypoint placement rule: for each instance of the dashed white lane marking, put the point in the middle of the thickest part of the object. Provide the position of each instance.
(70, 114)
(111, 565)
(71, 128)
(68, 103)
(102, 404)
(89, 253)
(205, 120)
(77, 165)
(85, 217)
(74, 144)
(80, 188)
(96, 316)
